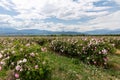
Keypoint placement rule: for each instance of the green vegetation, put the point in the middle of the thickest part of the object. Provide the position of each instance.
(41, 62)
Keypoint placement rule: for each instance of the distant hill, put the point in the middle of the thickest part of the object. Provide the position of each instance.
(103, 31)
(11, 31)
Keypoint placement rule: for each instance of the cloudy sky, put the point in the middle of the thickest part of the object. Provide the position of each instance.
(60, 15)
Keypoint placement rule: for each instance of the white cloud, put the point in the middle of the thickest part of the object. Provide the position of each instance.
(29, 16)
(106, 22)
(62, 9)
(5, 18)
(6, 4)
(117, 1)
(30, 10)
(111, 21)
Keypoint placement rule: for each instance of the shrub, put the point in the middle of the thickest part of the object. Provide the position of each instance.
(90, 52)
(42, 41)
(116, 43)
(23, 58)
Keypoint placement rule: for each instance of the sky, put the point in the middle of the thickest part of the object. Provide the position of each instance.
(60, 15)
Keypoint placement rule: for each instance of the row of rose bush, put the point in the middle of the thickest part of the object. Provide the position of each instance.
(90, 51)
(115, 42)
(22, 57)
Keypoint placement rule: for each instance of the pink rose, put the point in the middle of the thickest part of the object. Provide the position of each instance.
(36, 66)
(105, 59)
(16, 75)
(18, 67)
(44, 49)
(32, 54)
(94, 62)
(27, 45)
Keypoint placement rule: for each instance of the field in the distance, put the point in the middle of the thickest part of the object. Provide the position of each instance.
(60, 58)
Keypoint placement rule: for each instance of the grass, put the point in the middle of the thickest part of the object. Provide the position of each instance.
(114, 61)
(118, 51)
(2, 74)
(64, 68)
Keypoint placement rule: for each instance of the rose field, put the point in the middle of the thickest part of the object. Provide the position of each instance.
(60, 58)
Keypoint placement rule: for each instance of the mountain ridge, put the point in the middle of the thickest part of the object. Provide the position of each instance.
(12, 31)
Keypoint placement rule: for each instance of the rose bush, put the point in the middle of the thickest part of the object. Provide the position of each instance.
(90, 51)
(22, 56)
(115, 43)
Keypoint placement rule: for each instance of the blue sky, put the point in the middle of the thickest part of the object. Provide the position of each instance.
(59, 15)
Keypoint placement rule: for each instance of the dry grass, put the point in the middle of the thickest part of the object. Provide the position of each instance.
(118, 51)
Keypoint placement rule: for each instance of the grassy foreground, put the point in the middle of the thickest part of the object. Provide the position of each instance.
(66, 68)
